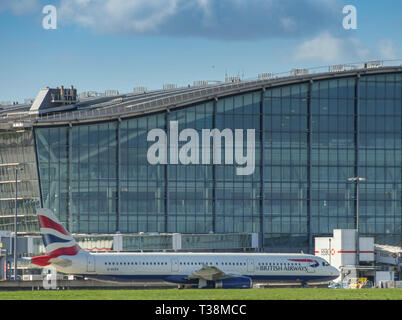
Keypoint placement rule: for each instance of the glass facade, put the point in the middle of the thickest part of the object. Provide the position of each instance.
(286, 159)
(380, 157)
(333, 158)
(17, 151)
(310, 138)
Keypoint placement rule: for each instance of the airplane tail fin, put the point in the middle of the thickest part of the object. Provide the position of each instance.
(56, 239)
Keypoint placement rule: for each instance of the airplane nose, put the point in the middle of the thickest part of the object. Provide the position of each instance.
(335, 272)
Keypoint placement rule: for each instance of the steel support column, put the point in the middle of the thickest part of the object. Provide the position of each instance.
(357, 171)
(167, 177)
(70, 178)
(357, 138)
(118, 173)
(37, 166)
(214, 172)
(262, 194)
(16, 226)
(310, 167)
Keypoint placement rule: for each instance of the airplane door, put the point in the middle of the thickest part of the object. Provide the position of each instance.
(91, 263)
(175, 265)
(250, 265)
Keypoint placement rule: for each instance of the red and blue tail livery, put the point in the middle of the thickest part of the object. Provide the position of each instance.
(56, 239)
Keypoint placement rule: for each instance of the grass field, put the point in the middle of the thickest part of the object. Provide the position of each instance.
(190, 294)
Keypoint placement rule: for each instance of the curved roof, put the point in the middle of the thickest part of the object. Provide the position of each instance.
(129, 105)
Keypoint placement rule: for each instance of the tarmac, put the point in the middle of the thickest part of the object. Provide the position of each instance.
(11, 285)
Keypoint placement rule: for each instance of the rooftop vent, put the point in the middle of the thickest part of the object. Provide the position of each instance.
(200, 83)
(373, 64)
(140, 89)
(229, 79)
(337, 68)
(111, 93)
(53, 100)
(298, 72)
(169, 86)
(265, 75)
(90, 94)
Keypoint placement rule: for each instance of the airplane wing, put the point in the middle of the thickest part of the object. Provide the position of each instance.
(209, 273)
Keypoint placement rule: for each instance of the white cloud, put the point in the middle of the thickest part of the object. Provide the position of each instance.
(117, 15)
(328, 49)
(19, 7)
(220, 19)
(386, 48)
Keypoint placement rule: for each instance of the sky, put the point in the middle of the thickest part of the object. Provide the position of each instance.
(121, 44)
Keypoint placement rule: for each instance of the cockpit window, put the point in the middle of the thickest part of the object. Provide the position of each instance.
(325, 264)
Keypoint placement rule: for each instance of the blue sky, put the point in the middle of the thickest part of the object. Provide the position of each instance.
(120, 44)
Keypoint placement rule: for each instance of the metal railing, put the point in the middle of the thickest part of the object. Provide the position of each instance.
(185, 95)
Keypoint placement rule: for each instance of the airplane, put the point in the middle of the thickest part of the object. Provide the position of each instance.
(205, 270)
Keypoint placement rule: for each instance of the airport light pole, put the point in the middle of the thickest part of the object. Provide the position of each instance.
(357, 180)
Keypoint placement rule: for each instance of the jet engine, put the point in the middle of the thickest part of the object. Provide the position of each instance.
(234, 283)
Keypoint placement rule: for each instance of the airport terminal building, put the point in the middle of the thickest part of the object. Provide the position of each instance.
(280, 160)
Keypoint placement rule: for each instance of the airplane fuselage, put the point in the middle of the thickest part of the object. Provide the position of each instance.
(176, 267)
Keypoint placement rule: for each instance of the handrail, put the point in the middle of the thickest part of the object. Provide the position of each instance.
(183, 95)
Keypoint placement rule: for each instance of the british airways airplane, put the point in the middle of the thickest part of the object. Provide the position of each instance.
(205, 270)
